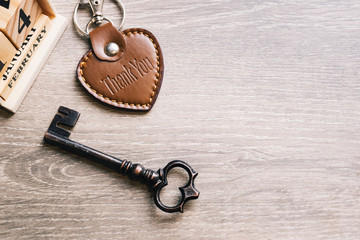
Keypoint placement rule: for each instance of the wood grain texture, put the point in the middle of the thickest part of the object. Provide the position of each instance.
(7, 10)
(260, 97)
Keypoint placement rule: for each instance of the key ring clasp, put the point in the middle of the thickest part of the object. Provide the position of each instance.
(97, 16)
(96, 7)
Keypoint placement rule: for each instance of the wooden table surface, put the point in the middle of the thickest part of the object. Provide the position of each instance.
(262, 98)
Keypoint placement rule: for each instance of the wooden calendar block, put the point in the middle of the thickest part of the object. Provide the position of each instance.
(7, 51)
(26, 54)
(47, 8)
(18, 25)
(42, 27)
(7, 10)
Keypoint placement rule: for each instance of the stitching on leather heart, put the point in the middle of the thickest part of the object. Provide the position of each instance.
(144, 106)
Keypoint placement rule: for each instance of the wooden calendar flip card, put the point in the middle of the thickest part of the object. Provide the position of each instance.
(29, 30)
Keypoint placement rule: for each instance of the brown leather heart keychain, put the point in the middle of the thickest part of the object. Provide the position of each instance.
(122, 68)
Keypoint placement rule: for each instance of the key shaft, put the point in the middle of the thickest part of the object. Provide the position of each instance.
(135, 171)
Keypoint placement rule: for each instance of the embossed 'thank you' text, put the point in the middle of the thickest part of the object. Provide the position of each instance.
(129, 75)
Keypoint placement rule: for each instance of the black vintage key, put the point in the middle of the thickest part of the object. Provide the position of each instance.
(156, 180)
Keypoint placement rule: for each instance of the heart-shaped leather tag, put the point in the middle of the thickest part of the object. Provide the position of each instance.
(129, 79)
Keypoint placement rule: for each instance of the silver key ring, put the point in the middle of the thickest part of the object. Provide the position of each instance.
(97, 18)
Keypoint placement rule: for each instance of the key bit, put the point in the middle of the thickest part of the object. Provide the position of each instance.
(156, 180)
(67, 117)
